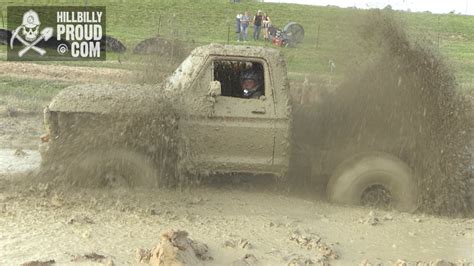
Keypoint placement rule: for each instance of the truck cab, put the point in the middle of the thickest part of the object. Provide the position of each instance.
(228, 132)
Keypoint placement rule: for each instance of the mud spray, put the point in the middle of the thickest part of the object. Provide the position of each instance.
(122, 143)
(404, 101)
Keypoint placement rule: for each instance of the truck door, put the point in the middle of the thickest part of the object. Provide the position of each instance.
(237, 134)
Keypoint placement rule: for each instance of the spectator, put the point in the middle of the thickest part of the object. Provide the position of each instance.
(244, 25)
(266, 25)
(237, 27)
(257, 25)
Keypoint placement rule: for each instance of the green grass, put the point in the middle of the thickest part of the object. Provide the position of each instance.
(206, 21)
(28, 94)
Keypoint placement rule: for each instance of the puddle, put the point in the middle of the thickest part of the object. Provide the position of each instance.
(13, 162)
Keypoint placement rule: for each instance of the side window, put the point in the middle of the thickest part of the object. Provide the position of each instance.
(242, 79)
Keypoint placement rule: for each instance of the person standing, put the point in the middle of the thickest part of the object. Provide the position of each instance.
(266, 25)
(237, 27)
(244, 25)
(257, 25)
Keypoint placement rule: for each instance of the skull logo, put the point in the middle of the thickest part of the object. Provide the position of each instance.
(32, 35)
(30, 25)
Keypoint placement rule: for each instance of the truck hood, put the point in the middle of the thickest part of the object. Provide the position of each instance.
(109, 99)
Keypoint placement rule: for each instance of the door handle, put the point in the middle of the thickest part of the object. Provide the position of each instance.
(260, 111)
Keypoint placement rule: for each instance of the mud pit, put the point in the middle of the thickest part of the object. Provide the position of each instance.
(41, 222)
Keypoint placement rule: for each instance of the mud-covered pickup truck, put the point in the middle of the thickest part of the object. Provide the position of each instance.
(198, 124)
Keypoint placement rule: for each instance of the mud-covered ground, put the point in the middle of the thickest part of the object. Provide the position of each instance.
(41, 223)
(71, 226)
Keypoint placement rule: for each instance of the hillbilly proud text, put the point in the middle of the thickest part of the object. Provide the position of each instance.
(82, 29)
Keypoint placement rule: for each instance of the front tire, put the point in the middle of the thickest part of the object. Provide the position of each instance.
(375, 179)
(114, 167)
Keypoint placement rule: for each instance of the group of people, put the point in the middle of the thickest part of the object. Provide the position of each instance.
(259, 21)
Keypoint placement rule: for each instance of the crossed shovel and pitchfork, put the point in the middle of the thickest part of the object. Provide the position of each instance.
(45, 35)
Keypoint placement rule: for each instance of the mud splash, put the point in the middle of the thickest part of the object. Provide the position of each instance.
(161, 58)
(404, 101)
(134, 141)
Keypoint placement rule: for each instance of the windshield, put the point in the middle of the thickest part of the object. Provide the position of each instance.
(184, 72)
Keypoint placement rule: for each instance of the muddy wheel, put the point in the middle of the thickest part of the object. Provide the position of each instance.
(112, 168)
(375, 179)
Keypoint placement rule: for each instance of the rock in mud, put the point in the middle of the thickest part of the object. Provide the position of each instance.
(305, 241)
(201, 250)
(142, 255)
(240, 243)
(175, 248)
(80, 219)
(299, 260)
(326, 252)
(247, 260)
(400, 262)
(20, 153)
(421, 263)
(89, 257)
(244, 244)
(39, 263)
(229, 244)
(371, 219)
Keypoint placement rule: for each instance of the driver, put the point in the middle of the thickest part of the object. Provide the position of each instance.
(251, 84)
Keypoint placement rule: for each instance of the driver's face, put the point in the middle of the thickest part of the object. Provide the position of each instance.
(249, 84)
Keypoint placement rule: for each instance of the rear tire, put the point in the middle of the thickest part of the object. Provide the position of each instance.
(114, 167)
(364, 176)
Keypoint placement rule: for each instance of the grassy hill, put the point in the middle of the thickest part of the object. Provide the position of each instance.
(331, 33)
